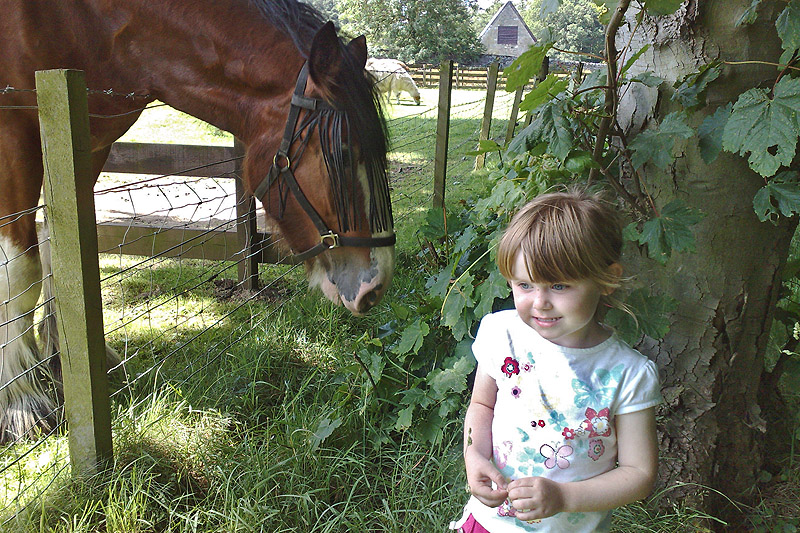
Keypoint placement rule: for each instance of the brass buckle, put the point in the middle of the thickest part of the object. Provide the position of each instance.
(284, 156)
(330, 239)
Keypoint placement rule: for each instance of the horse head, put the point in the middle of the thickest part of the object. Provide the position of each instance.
(327, 187)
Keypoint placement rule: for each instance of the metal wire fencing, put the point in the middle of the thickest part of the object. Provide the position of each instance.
(175, 303)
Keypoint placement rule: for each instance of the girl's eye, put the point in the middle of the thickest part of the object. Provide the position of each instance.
(558, 286)
(524, 286)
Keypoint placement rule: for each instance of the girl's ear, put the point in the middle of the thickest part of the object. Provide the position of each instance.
(615, 269)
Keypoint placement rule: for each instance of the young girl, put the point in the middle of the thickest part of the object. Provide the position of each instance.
(561, 425)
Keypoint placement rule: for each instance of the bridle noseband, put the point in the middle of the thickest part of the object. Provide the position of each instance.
(282, 167)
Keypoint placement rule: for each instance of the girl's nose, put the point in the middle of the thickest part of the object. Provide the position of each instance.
(540, 299)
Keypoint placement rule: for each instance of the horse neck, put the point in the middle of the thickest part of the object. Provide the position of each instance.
(218, 61)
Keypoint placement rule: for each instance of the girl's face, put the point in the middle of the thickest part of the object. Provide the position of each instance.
(563, 313)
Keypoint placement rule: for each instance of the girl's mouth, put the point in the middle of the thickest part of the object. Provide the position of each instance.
(545, 322)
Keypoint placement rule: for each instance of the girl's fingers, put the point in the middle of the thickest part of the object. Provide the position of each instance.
(489, 497)
(498, 478)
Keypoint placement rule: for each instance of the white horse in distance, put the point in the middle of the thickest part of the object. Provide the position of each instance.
(391, 76)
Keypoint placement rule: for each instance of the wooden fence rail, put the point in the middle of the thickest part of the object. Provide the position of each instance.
(189, 160)
(427, 75)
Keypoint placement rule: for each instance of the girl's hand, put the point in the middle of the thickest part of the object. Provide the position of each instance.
(480, 474)
(536, 497)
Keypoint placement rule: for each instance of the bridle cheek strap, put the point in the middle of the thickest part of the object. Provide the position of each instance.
(328, 238)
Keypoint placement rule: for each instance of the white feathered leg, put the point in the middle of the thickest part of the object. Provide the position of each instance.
(27, 396)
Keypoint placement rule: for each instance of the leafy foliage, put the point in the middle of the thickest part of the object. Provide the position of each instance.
(573, 25)
(419, 365)
(413, 30)
(779, 197)
(765, 126)
(656, 145)
(669, 231)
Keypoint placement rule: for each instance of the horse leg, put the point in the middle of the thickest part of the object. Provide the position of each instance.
(48, 329)
(27, 398)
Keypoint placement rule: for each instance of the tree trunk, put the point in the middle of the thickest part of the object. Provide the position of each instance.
(712, 360)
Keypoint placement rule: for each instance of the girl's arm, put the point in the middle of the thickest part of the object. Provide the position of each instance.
(481, 471)
(632, 480)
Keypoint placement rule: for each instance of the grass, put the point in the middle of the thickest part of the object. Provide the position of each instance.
(237, 415)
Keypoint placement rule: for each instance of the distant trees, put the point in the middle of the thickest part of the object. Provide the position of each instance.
(414, 30)
(433, 30)
(327, 8)
(574, 26)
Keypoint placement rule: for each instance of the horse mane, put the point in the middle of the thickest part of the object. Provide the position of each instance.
(298, 20)
(356, 97)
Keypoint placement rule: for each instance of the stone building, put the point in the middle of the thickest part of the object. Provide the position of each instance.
(507, 34)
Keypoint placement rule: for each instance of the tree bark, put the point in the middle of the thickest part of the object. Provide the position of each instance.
(712, 427)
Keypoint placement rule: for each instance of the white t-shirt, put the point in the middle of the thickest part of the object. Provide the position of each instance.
(554, 414)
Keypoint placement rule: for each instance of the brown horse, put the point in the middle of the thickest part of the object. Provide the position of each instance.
(268, 71)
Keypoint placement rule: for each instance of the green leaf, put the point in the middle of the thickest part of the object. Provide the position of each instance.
(579, 161)
(781, 196)
(459, 298)
(524, 140)
(662, 7)
(647, 78)
(710, 133)
(788, 26)
(485, 146)
(791, 372)
(495, 286)
(631, 60)
(431, 429)
(324, 429)
(689, 91)
(466, 240)
(610, 5)
(436, 227)
(548, 7)
(553, 123)
(452, 379)
(412, 337)
(656, 144)
(525, 66)
(766, 128)
(404, 418)
(438, 284)
(543, 92)
(750, 14)
(671, 231)
(652, 316)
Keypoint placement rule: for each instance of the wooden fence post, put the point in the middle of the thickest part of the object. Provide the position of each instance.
(64, 125)
(246, 230)
(442, 132)
(512, 119)
(488, 109)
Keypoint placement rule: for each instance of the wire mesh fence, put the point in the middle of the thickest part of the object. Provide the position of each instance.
(413, 139)
(31, 405)
(175, 309)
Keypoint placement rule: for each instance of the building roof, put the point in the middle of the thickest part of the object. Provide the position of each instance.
(508, 6)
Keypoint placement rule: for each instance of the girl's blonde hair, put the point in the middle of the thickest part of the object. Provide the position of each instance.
(564, 236)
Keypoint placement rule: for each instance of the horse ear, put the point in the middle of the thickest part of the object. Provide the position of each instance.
(325, 57)
(358, 49)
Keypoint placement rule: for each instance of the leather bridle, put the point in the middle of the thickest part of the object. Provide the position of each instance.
(282, 168)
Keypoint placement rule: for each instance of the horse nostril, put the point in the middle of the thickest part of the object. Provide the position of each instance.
(368, 301)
